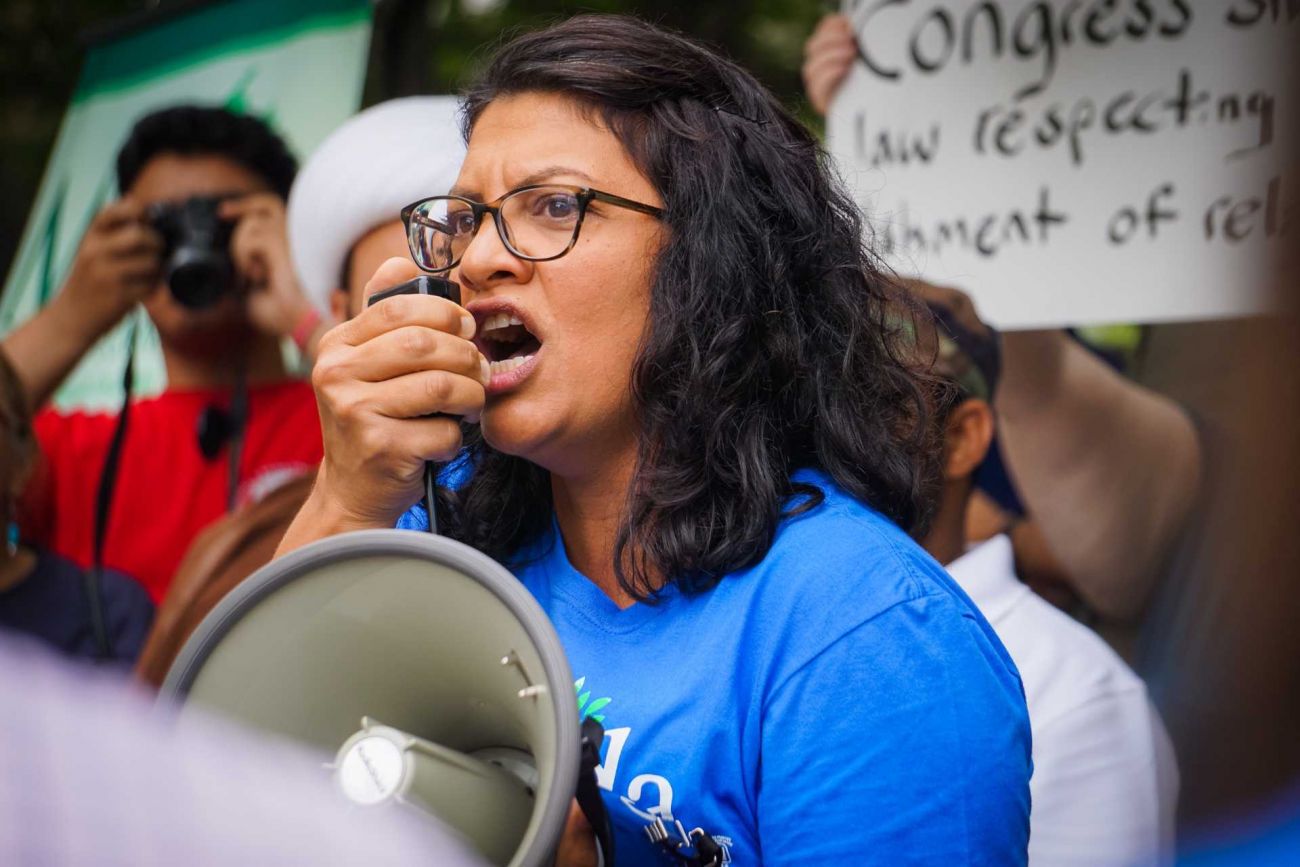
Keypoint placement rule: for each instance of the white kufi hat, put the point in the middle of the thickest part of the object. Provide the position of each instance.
(362, 175)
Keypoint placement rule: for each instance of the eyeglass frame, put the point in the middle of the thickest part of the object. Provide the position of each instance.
(585, 196)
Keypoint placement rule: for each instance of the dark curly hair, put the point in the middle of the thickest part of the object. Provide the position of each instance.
(774, 341)
(194, 129)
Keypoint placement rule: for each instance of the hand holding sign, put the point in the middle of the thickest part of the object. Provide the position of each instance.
(828, 57)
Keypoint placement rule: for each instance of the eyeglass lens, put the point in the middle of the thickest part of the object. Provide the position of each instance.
(534, 223)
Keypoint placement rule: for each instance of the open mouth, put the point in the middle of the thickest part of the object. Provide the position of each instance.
(505, 342)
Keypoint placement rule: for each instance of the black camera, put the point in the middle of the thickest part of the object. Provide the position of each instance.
(196, 249)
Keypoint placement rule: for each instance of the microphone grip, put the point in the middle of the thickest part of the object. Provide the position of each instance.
(443, 288)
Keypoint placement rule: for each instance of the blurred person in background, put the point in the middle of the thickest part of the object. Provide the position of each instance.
(41, 593)
(1108, 470)
(1105, 783)
(343, 221)
(232, 423)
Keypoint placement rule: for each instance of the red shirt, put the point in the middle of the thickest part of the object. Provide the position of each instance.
(167, 491)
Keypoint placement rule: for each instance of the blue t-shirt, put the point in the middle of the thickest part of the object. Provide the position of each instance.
(841, 702)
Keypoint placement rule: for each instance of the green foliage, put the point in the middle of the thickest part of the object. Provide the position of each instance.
(765, 36)
(40, 58)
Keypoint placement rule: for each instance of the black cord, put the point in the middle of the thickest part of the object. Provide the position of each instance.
(103, 506)
(238, 423)
(588, 796)
(430, 495)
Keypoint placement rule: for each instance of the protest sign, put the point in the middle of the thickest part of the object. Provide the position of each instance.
(1075, 162)
(298, 64)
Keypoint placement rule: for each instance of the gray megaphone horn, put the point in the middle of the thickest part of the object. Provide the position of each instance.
(422, 666)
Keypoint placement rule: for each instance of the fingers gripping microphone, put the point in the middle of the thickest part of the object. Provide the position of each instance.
(443, 288)
(424, 669)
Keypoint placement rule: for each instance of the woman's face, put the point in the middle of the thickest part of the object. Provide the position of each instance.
(567, 407)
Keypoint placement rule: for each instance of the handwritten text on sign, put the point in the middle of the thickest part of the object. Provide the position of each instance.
(1076, 161)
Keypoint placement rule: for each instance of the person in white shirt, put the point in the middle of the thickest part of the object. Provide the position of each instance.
(1105, 780)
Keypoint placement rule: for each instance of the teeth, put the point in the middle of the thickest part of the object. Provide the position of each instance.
(508, 364)
(500, 320)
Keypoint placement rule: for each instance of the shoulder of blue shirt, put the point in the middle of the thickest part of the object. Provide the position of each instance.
(843, 564)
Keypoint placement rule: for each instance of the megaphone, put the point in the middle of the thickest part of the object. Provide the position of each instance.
(424, 667)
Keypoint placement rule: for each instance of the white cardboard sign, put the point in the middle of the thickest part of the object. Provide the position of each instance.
(1074, 162)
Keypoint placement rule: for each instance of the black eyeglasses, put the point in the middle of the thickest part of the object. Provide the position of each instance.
(538, 222)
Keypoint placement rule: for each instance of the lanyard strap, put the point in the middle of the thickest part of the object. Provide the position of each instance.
(104, 505)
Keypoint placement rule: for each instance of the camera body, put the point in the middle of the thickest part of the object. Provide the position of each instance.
(196, 250)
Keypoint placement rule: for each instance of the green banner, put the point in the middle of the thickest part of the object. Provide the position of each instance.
(298, 64)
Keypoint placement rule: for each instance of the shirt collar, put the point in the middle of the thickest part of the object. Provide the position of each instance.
(987, 572)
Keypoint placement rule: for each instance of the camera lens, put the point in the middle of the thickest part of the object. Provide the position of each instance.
(197, 264)
(198, 278)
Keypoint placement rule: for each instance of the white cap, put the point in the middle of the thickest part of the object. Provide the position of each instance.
(362, 175)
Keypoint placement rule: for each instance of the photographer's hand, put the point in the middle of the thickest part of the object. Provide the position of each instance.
(259, 247)
(380, 380)
(116, 266)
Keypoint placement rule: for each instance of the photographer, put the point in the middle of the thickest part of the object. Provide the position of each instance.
(343, 223)
(232, 423)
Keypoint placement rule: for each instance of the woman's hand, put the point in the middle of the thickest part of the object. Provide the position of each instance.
(389, 384)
